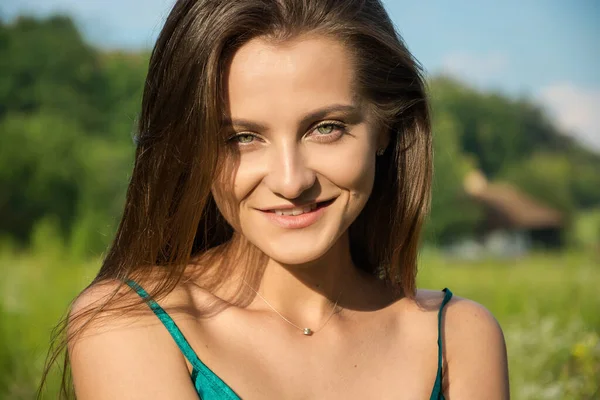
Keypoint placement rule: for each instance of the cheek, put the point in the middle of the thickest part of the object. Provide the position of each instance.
(233, 186)
(248, 176)
(351, 168)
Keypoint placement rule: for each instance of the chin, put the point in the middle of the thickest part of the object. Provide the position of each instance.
(296, 255)
(297, 248)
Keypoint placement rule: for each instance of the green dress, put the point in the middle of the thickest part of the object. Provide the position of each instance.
(208, 384)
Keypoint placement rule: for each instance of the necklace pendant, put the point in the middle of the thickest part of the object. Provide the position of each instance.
(307, 331)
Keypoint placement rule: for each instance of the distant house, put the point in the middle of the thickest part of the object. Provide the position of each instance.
(513, 221)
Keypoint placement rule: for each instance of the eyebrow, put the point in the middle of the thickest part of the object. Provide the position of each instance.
(351, 111)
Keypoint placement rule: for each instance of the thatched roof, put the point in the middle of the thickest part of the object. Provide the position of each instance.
(515, 207)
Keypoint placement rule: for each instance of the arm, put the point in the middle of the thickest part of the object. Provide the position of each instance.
(125, 357)
(477, 366)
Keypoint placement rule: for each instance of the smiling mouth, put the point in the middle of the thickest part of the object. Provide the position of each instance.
(297, 217)
(295, 211)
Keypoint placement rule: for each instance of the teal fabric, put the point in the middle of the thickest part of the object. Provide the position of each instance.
(437, 394)
(210, 387)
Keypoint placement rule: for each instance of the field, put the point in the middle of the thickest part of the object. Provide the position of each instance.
(548, 306)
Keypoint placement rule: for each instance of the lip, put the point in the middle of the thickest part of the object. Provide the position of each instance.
(289, 206)
(297, 221)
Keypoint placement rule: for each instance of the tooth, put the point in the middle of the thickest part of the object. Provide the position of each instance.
(296, 211)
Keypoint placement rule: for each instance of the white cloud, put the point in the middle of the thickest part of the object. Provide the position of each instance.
(575, 109)
(477, 69)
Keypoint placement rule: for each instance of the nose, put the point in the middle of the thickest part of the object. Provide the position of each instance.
(289, 176)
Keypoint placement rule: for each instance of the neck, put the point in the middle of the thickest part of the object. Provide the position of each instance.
(306, 293)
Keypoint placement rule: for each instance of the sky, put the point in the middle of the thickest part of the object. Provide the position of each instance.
(547, 50)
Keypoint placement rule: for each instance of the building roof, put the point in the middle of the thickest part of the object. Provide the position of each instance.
(517, 208)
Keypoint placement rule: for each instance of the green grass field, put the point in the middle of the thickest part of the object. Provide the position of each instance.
(548, 306)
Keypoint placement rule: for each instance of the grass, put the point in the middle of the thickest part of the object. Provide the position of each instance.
(559, 285)
(35, 290)
(547, 305)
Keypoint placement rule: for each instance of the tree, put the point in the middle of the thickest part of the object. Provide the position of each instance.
(39, 171)
(46, 67)
(544, 176)
(496, 130)
(451, 214)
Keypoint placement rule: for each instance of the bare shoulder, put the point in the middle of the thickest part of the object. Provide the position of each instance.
(474, 351)
(428, 300)
(118, 348)
(463, 318)
(466, 319)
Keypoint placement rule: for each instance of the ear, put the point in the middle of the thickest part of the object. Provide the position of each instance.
(383, 138)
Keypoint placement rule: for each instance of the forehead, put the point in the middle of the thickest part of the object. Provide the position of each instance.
(267, 78)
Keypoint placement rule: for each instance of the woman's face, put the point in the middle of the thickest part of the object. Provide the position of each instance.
(306, 144)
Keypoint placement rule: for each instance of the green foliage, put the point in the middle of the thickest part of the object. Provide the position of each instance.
(544, 176)
(48, 68)
(7, 359)
(565, 348)
(585, 234)
(67, 114)
(585, 178)
(510, 140)
(547, 306)
(451, 216)
(125, 75)
(36, 288)
(38, 171)
(104, 170)
(496, 130)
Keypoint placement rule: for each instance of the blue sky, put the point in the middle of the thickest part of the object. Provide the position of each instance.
(548, 50)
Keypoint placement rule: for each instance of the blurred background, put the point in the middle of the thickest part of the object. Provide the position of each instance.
(515, 219)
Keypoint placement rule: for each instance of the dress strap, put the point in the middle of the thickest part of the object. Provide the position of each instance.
(171, 326)
(208, 384)
(438, 380)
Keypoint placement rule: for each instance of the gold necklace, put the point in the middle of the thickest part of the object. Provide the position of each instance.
(305, 331)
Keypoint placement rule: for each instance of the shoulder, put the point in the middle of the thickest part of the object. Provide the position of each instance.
(463, 319)
(466, 318)
(474, 352)
(469, 326)
(114, 305)
(118, 348)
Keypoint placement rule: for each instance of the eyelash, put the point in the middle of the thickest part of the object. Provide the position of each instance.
(339, 129)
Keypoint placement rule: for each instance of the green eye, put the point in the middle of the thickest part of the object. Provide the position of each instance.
(245, 138)
(325, 129)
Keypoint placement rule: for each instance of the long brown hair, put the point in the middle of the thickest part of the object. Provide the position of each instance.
(170, 216)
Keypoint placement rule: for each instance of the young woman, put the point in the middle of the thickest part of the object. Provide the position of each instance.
(268, 246)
